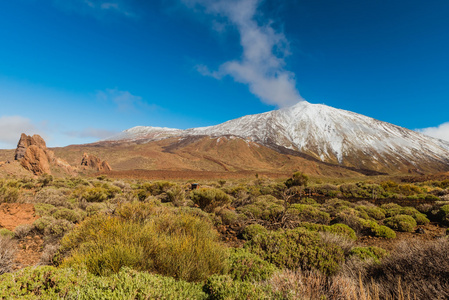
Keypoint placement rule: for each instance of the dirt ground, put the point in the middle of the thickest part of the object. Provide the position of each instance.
(189, 175)
(30, 248)
(15, 214)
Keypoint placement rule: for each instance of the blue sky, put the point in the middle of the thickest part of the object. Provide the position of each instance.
(76, 71)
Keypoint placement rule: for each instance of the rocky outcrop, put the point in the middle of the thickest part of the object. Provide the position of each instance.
(36, 160)
(27, 141)
(33, 155)
(93, 162)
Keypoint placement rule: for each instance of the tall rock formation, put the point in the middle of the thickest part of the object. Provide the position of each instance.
(33, 154)
(27, 141)
(93, 162)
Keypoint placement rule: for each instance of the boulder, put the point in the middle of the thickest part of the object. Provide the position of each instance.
(36, 160)
(93, 162)
(27, 141)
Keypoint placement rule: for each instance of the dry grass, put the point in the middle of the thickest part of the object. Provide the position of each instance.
(7, 253)
(415, 269)
(312, 285)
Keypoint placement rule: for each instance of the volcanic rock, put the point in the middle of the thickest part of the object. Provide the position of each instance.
(36, 160)
(93, 162)
(26, 141)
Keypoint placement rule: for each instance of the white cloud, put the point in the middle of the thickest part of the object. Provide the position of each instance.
(439, 132)
(125, 101)
(96, 7)
(96, 133)
(11, 127)
(264, 50)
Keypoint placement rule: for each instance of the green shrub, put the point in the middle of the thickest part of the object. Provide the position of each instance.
(374, 212)
(338, 229)
(230, 217)
(298, 179)
(297, 248)
(401, 223)
(308, 213)
(443, 214)
(252, 230)
(383, 231)
(371, 252)
(264, 208)
(68, 214)
(172, 243)
(46, 282)
(138, 212)
(44, 209)
(95, 208)
(394, 210)
(209, 199)
(51, 226)
(6, 233)
(222, 287)
(95, 194)
(244, 265)
(9, 194)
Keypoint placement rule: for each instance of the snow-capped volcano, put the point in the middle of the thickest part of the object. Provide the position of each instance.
(326, 133)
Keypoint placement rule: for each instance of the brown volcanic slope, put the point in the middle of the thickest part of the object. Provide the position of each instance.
(200, 155)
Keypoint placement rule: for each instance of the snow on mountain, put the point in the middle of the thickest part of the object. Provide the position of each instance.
(327, 133)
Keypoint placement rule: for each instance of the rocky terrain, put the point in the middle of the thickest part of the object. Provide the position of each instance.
(33, 157)
(320, 133)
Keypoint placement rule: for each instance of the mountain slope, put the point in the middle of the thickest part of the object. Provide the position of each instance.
(324, 133)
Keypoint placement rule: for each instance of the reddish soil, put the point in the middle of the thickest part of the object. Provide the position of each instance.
(14, 214)
(30, 248)
(29, 252)
(191, 175)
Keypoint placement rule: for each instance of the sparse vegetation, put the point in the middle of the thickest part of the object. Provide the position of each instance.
(299, 238)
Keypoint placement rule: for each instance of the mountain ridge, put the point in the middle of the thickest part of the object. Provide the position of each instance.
(325, 133)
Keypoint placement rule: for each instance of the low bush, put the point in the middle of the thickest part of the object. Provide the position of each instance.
(230, 217)
(383, 231)
(9, 194)
(374, 212)
(371, 252)
(61, 283)
(52, 227)
(401, 223)
(308, 213)
(74, 216)
(6, 233)
(443, 214)
(95, 194)
(297, 248)
(23, 230)
(338, 229)
(252, 230)
(244, 265)
(263, 208)
(220, 287)
(209, 198)
(172, 243)
(298, 179)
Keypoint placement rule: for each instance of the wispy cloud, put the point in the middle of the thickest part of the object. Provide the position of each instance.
(98, 7)
(439, 132)
(96, 133)
(262, 65)
(11, 127)
(124, 100)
